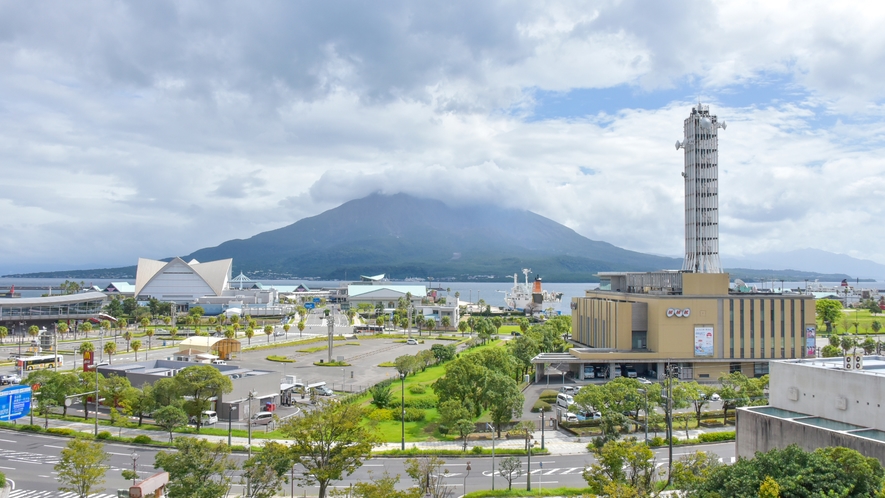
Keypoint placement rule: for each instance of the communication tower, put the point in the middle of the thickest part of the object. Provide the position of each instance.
(701, 145)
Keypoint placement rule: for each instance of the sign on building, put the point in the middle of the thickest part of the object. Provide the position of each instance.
(810, 339)
(703, 340)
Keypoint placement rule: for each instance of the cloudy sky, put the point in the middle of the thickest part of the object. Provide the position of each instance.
(152, 129)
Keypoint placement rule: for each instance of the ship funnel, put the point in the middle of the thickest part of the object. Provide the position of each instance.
(536, 287)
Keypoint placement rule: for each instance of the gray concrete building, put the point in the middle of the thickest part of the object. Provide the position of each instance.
(820, 402)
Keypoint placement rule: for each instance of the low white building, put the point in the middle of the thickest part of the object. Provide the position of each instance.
(816, 403)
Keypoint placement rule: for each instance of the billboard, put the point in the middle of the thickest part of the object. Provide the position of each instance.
(88, 360)
(810, 346)
(309, 306)
(703, 340)
(15, 402)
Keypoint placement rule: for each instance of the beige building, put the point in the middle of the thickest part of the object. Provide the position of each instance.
(636, 323)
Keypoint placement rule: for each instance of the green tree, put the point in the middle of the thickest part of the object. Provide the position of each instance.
(329, 442)
(199, 384)
(462, 327)
(510, 468)
(628, 463)
(62, 328)
(738, 390)
(3, 333)
(378, 487)
(429, 474)
(406, 364)
(300, 326)
(829, 471)
(84, 347)
(136, 345)
(81, 467)
(443, 353)
(523, 349)
(445, 322)
(286, 328)
(110, 348)
(85, 327)
(250, 333)
(691, 471)
(34, 331)
(113, 389)
(199, 469)
(381, 395)
(430, 323)
(114, 307)
(267, 471)
(828, 312)
(144, 322)
(830, 351)
(497, 322)
(127, 336)
(268, 330)
(150, 335)
(450, 412)
(504, 399)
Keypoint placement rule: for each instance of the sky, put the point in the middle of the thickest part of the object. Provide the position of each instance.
(153, 129)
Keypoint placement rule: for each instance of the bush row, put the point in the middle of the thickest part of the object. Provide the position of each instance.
(426, 403)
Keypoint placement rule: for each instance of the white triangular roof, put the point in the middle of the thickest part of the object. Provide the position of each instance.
(214, 274)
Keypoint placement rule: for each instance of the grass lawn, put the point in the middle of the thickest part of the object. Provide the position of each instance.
(862, 317)
(425, 430)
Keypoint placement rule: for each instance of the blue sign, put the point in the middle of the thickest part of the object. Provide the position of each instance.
(15, 402)
(309, 306)
(316, 300)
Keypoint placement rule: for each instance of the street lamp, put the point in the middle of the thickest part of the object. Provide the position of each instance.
(465, 478)
(645, 392)
(542, 428)
(672, 371)
(402, 406)
(134, 457)
(230, 416)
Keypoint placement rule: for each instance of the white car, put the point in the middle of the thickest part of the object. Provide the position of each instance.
(210, 417)
(412, 342)
(715, 397)
(569, 417)
(11, 379)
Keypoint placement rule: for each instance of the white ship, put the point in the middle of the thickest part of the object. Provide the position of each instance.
(530, 299)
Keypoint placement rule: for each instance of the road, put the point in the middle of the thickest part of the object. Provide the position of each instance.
(28, 460)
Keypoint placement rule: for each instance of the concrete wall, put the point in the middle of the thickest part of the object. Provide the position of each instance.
(833, 393)
(760, 432)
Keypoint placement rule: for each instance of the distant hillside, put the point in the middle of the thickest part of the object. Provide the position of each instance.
(404, 236)
(408, 237)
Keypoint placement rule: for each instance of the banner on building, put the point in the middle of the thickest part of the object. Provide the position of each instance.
(703, 340)
(810, 341)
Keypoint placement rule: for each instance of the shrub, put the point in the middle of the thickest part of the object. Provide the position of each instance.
(381, 394)
(104, 435)
(541, 405)
(657, 441)
(710, 437)
(548, 395)
(142, 439)
(32, 428)
(477, 450)
(425, 403)
(417, 389)
(61, 431)
(411, 414)
(380, 414)
(2, 480)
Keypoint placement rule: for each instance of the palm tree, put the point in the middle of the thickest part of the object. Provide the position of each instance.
(229, 333)
(419, 322)
(86, 327)
(150, 335)
(218, 329)
(122, 324)
(286, 328)
(62, 328)
(249, 333)
(457, 297)
(109, 349)
(104, 325)
(430, 323)
(3, 333)
(446, 322)
(127, 336)
(462, 327)
(34, 331)
(136, 345)
(268, 330)
(144, 322)
(301, 326)
(380, 320)
(174, 334)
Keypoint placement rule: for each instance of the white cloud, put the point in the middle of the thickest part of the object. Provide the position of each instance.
(153, 129)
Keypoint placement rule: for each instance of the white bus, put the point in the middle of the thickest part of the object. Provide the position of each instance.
(38, 362)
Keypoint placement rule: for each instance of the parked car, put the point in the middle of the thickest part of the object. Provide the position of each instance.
(515, 333)
(631, 372)
(262, 418)
(219, 362)
(589, 415)
(569, 417)
(323, 391)
(10, 379)
(210, 417)
(564, 400)
(412, 342)
(643, 380)
(715, 397)
(569, 389)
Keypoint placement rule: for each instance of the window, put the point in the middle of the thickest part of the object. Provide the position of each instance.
(760, 369)
(734, 367)
(742, 328)
(731, 327)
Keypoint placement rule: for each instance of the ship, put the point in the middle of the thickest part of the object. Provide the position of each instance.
(530, 299)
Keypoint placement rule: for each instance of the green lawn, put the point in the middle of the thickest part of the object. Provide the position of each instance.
(425, 430)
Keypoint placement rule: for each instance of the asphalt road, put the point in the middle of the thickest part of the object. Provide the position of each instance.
(28, 460)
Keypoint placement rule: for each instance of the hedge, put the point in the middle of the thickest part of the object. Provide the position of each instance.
(710, 437)
(548, 395)
(417, 389)
(142, 439)
(411, 414)
(540, 405)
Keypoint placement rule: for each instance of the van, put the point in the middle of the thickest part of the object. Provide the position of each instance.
(210, 417)
(564, 400)
(219, 362)
(631, 372)
(262, 418)
(589, 372)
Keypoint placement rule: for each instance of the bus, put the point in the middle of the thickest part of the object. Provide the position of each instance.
(375, 329)
(38, 362)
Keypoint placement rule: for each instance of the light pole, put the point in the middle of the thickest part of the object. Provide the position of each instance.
(465, 478)
(230, 416)
(134, 457)
(672, 370)
(528, 485)
(402, 406)
(645, 392)
(249, 411)
(331, 323)
(542, 428)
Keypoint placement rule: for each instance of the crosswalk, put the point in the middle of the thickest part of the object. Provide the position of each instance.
(24, 493)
